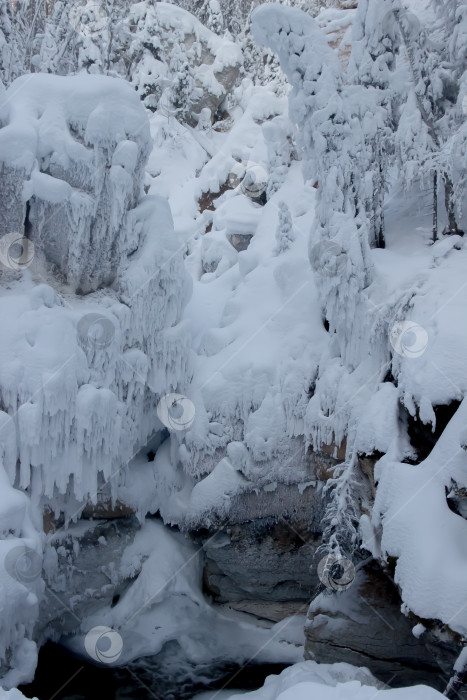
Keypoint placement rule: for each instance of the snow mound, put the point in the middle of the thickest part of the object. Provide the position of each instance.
(311, 681)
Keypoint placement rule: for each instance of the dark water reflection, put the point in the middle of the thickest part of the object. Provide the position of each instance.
(61, 676)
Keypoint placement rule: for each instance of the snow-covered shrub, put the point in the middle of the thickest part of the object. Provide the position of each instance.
(279, 139)
(284, 232)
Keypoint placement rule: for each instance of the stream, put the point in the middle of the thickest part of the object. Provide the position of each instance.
(61, 676)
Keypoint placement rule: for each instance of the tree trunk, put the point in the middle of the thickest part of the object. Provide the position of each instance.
(380, 242)
(435, 206)
(450, 208)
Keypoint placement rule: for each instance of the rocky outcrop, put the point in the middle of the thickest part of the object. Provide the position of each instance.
(167, 35)
(364, 626)
(260, 560)
(81, 573)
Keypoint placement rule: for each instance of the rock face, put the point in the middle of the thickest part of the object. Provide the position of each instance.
(82, 573)
(364, 626)
(260, 560)
(175, 37)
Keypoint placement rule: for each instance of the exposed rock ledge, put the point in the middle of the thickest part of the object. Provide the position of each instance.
(364, 626)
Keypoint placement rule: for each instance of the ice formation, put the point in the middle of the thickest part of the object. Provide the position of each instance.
(82, 374)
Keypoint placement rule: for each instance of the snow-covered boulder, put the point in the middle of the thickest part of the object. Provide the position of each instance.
(168, 39)
(72, 154)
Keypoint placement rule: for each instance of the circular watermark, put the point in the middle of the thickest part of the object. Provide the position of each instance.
(103, 644)
(23, 564)
(176, 411)
(408, 339)
(88, 18)
(95, 330)
(235, 27)
(328, 258)
(16, 251)
(336, 572)
(251, 178)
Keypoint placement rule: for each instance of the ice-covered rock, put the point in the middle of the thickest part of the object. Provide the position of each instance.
(73, 150)
(81, 375)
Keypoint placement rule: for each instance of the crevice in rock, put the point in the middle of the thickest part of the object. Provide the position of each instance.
(422, 437)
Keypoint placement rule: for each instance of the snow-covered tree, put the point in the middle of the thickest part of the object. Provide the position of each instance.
(332, 121)
(371, 64)
(182, 92)
(346, 491)
(215, 20)
(21, 22)
(284, 233)
(279, 141)
(434, 87)
(146, 68)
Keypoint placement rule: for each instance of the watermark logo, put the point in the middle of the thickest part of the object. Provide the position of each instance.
(23, 564)
(16, 251)
(235, 27)
(88, 18)
(103, 644)
(176, 411)
(328, 258)
(408, 339)
(336, 572)
(95, 330)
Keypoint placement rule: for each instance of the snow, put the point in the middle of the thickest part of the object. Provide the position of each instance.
(59, 137)
(12, 694)
(20, 585)
(311, 681)
(427, 538)
(303, 338)
(81, 375)
(77, 402)
(226, 52)
(164, 602)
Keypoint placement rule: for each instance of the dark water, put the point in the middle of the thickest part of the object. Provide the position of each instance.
(61, 676)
